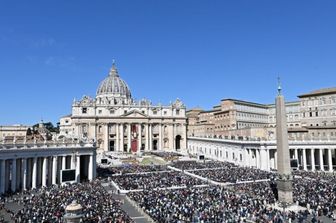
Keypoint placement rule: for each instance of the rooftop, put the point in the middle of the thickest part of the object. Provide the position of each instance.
(323, 91)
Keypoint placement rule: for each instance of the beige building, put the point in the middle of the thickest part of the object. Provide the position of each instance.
(318, 113)
(10, 132)
(312, 117)
(120, 124)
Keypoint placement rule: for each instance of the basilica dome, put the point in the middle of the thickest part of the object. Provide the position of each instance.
(114, 86)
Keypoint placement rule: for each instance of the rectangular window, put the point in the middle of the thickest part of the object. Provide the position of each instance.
(84, 110)
(111, 111)
(177, 111)
(99, 111)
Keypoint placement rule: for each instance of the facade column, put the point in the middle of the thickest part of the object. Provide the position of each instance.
(321, 159)
(129, 137)
(13, 176)
(24, 173)
(44, 171)
(150, 137)
(78, 168)
(117, 141)
(3, 176)
(63, 162)
(139, 137)
(147, 136)
(312, 158)
(121, 138)
(34, 174)
(330, 163)
(304, 158)
(90, 174)
(106, 140)
(54, 170)
(171, 138)
(160, 136)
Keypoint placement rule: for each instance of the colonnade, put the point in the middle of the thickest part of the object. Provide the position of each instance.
(24, 169)
(310, 156)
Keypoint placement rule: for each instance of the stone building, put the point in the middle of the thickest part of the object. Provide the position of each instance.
(312, 117)
(118, 123)
(318, 113)
(9, 132)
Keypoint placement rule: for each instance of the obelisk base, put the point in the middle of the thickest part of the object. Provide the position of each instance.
(285, 191)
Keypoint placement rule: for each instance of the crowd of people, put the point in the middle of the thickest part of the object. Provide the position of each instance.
(49, 204)
(210, 204)
(196, 165)
(156, 180)
(128, 169)
(234, 174)
(167, 156)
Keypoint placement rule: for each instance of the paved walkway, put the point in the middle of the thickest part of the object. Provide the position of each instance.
(127, 206)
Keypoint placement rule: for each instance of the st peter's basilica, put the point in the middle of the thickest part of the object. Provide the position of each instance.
(118, 123)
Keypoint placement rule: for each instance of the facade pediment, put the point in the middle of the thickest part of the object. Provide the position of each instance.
(134, 114)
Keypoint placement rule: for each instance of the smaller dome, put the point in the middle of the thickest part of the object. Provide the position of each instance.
(114, 86)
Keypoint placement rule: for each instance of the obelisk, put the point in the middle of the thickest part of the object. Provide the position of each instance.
(284, 183)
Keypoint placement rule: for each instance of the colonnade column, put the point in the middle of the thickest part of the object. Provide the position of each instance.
(304, 157)
(13, 176)
(73, 161)
(34, 174)
(330, 164)
(296, 156)
(63, 162)
(54, 170)
(44, 171)
(258, 158)
(2, 176)
(24, 173)
(312, 158)
(321, 159)
(247, 157)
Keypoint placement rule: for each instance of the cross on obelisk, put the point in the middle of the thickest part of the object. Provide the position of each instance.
(284, 183)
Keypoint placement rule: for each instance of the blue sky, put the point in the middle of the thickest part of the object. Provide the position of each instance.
(198, 51)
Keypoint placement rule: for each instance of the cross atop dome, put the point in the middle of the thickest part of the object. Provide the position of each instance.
(113, 70)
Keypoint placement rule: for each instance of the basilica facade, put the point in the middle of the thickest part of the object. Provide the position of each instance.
(118, 123)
